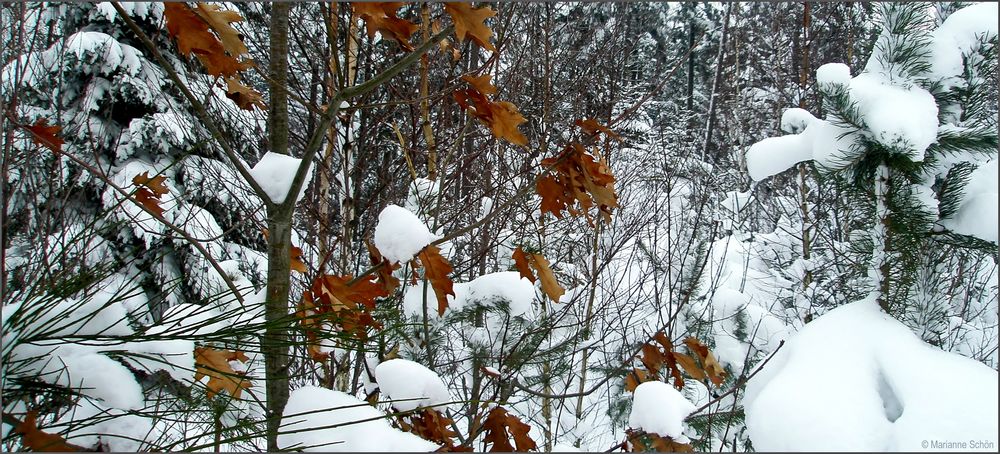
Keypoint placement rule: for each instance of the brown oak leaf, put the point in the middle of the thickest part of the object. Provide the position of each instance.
(45, 135)
(469, 23)
(436, 270)
(215, 365)
(380, 17)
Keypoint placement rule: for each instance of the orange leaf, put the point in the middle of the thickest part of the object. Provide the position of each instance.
(45, 135)
(591, 127)
(634, 378)
(37, 440)
(641, 441)
(245, 97)
(689, 366)
(555, 200)
(150, 190)
(550, 286)
(215, 365)
(155, 184)
(295, 262)
(497, 425)
(219, 20)
(192, 31)
(389, 282)
(469, 23)
(521, 262)
(579, 180)
(437, 269)
(431, 425)
(505, 121)
(381, 17)
(711, 366)
(335, 295)
(481, 83)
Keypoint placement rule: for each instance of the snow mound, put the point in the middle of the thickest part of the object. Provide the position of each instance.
(977, 215)
(400, 234)
(410, 385)
(659, 408)
(833, 73)
(275, 172)
(855, 379)
(319, 419)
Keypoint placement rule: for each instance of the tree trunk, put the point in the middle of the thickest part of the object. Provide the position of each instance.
(275, 343)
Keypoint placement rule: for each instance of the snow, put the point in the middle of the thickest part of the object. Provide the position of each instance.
(659, 408)
(400, 234)
(275, 172)
(795, 120)
(833, 73)
(774, 155)
(977, 214)
(121, 431)
(311, 411)
(855, 379)
(410, 385)
(505, 287)
(902, 119)
(959, 35)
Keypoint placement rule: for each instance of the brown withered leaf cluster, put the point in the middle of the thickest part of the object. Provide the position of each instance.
(431, 425)
(347, 307)
(713, 370)
(500, 427)
(529, 264)
(215, 365)
(639, 441)
(501, 117)
(579, 180)
(150, 190)
(659, 355)
(578, 183)
(380, 17)
(206, 33)
(45, 135)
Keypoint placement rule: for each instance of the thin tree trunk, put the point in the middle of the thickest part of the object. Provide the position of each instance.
(425, 103)
(803, 167)
(340, 365)
(712, 103)
(881, 247)
(275, 344)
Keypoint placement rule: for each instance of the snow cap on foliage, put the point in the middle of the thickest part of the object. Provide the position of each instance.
(311, 411)
(659, 408)
(977, 214)
(400, 234)
(833, 73)
(872, 385)
(275, 172)
(959, 35)
(410, 385)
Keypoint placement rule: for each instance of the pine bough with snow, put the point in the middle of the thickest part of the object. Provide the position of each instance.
(908, 133)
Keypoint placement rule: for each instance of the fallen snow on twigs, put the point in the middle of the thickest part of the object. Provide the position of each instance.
(400, 234)
(410, 385)
(319, 419)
